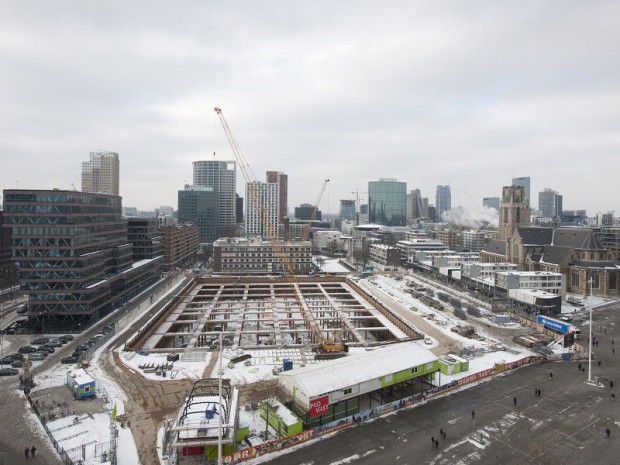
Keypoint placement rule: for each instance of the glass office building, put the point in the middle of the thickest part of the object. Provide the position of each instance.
(198, 205)
(387, 202)
(73, 252)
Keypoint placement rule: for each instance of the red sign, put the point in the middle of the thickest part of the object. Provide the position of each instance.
(319, 406)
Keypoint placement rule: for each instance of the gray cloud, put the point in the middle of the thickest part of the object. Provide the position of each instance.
(430, 93)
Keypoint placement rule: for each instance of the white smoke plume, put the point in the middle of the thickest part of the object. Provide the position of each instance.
(475, 218)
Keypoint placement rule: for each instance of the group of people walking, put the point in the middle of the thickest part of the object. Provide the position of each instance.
(442, 434)
(30, 452)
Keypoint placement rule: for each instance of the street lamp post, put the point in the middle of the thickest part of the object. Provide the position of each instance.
(221, 410)
(590, 338)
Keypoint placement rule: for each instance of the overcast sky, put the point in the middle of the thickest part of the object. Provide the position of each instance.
(427, 92)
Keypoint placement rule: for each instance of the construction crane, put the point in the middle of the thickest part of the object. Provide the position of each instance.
(280, 253)
(358, 196)
(308, 227)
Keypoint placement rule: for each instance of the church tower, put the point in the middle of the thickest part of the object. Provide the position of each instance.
(513, 211)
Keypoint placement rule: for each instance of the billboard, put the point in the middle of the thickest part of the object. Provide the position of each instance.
(319, 406)
(552, 323)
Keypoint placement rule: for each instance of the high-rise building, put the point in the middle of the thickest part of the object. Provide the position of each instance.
(550, 203)
(239, 208)
(607, 219)
(525, 183)
(144, 234)
(425, 213)
(417, 205)
(304, 212)
(347, 210)
(513, 211)
(387, 201)
(100, 174)
(9, 276)
(432, 213)
(282, 180)
(409, 208)
(76, 262)
(443, 201)
(221, 177)
(491, 202)
(262, 211)
(198, 205)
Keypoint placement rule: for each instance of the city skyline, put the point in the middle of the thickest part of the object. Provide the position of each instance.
(536, 96)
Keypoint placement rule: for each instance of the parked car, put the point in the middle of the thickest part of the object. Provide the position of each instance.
(27, 350)
(37, 356)
(66, 338)
(40, 341)
(54, 343)
(69, 360)
(46, 348)
(107, 329)
(8, 371)
(7, 360)
(17, 364)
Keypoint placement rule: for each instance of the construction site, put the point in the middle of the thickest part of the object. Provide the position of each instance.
(327, 315)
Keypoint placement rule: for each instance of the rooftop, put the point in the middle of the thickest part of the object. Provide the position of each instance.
(341, 373)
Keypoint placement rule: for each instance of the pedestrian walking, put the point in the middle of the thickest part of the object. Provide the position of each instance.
(433, 440)
(26, 452)
(579, 367)
(539, 393)
(613, 350)
(536, 391)
(612, 342)
(33, 450)
(613, 396)
(599, 363)
(436, 443)
(473, 415)
(514, 400)
(444, 435)
(611, 385)
(550, 375)
(441, 433)
(605, 330)
(607, 432)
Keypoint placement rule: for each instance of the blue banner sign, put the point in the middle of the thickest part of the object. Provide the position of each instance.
(552, 324)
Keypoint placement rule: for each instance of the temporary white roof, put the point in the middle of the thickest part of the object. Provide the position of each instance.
(341, 373)
(80, 376)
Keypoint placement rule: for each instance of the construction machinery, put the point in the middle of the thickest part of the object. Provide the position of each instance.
(286, 264)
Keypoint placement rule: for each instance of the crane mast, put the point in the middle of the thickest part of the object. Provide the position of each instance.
(279, 251)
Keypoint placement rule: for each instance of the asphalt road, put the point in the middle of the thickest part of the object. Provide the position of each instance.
(16, 429)
(566, 425)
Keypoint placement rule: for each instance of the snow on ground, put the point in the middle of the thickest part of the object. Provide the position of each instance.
(88, 429)
(331, 265)
(442, 320)
(176, 370)
(55, 376)
(243, 375)
(260, 367)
